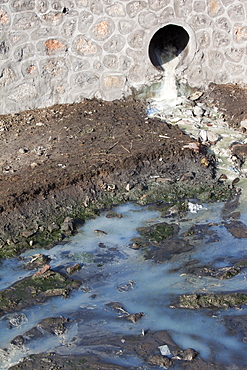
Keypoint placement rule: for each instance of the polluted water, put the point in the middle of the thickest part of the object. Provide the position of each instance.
(112, 270)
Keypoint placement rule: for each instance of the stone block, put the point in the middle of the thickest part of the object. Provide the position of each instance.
(25, 92)
(7, 76)
(4, 18)
(68, 28)
(216, 60)
(240, 33)
(26, 21)
(236, 12)
(102, 29)
(42, 6)
(215, 8)
(44, 33)
(54, 68)
(116, 10)
(52, 18)
(84, 81)
(234, 54)
(158, 4)
(4, 49)
(126, 26)
(183, 8)
(29, 69)
(16, 38)
(98, 66)
(222, 77)
(166, 14)
(220, 39)
(136, 55)
(234, 69)
(115, 44)
(84, 47)
(79, 64)
(199, 6)
(81, 3)
(125, 63)
(55, 46)
(147, 19)
(110, 61)
(134, 8)
(224, 24)
(203, 39)
(22, 5)
(96, 7)
(24, 52)
(136, 39)
(113, 81)
(200, 21)
(226, 2)
(85, 21)
(137, 73)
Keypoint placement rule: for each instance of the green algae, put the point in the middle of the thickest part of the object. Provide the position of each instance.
(196, 301)
(35, 289)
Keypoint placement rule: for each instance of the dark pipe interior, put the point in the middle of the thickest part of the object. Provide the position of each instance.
(170, 36)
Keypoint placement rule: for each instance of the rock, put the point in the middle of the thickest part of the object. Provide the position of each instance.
(68, 225)
(244, 123)
(23, 151)
(37, 260)
(187, 355)
(160, 360)
(207, 136)
(100, 232)
(125, 287)
(17, 320)
(196, 95)
(198, 111)
(70, 270)
(134, 317)
(53, 227)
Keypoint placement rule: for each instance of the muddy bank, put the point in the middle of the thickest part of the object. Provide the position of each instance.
(71, 160)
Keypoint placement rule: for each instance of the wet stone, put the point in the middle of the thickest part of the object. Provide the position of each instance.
(36, 261)
(196, 301)
(70, 270)
(237, 228)
(160, 360)
(46, 327)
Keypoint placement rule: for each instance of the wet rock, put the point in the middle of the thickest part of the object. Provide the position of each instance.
(221, 273)
(208, 137)
(126, 286)
(71, 269)
(113, 214)
(134, 317)
(68, 226)
(187, 355)
(48, 326)
(196, 301)
(17, 320)
(160, 360)
(35, 289)
(36, 261)
(236, 228)
(102, 232)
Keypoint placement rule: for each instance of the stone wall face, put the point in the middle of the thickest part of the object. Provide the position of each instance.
(54, 51)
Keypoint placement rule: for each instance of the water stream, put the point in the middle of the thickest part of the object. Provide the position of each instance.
(113, 271)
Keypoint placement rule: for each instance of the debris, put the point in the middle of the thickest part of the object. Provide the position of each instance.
(100, 232)
(134, 317)
(164, 350)
(196, 95)
(194, 208)
(125, 287)
(193, 146)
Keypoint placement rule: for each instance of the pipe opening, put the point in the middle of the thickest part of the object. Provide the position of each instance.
(168, 43)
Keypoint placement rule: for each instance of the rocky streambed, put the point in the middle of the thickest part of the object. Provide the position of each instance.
(66, 164)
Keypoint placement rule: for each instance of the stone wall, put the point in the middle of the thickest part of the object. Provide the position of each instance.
(63, 51)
